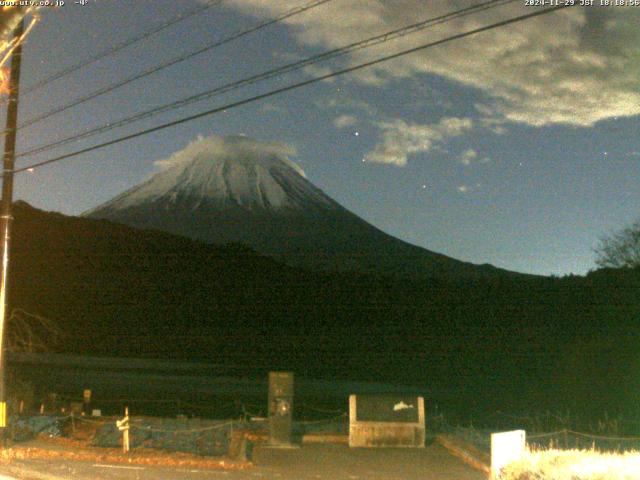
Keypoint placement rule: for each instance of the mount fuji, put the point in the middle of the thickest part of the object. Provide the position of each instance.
(238, 190)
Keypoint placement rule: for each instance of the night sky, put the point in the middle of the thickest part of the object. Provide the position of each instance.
(516, 147)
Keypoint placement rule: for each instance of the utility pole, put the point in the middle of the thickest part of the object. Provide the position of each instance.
(5, 214)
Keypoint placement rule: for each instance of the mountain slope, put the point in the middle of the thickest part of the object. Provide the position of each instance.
(235, 189)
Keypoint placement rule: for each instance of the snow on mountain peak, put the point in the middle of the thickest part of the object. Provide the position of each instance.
(235, 147)
(232, 171)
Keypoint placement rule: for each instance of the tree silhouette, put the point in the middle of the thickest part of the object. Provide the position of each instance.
(620, 249)
(31, 333)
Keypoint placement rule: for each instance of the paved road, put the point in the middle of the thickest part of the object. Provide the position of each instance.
(317, 462)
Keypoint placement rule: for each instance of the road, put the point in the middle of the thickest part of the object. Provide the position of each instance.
(315, 461)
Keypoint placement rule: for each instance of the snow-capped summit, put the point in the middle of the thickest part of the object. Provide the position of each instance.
(225, 172)
(236, 189)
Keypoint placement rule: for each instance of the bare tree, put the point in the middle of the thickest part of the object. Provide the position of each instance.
(27, 333)
(31, 333)
(620, 249)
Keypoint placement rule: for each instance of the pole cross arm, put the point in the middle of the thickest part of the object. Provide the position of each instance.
(123, 424)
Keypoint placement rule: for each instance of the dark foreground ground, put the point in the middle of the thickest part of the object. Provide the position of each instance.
(321, 461)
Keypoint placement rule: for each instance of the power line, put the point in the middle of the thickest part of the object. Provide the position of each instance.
(120, 46)
(369, 42)
(292, 87)
(169, 63)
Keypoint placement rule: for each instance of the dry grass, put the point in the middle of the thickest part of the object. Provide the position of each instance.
(574, 465)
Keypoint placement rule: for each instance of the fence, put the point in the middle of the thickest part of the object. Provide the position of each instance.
(618, 426)
(569, 439)
(201, 436)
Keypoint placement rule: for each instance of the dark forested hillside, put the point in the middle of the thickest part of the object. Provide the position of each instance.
(535, 342)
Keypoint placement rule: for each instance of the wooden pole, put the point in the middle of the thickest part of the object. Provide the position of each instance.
(123, 426)
(125, 432)
(5, 214)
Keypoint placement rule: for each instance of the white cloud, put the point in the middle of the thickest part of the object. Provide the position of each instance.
(463, 188)
(314, 70)
(401, 139)
(271, 108)
(468, 156)
(575, 66)
(346, 103)
(344, 121)
(231, 146)
(494, 124)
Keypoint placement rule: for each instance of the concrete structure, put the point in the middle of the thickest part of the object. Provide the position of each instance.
(280, 408)
(386, 421)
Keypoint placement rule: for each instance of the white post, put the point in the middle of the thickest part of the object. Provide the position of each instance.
(506, 447)
(123, 426)
(125, 436)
